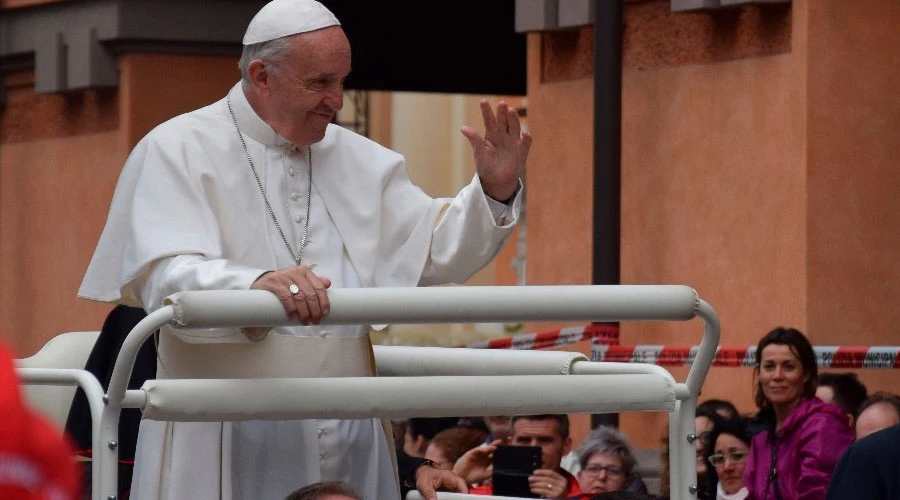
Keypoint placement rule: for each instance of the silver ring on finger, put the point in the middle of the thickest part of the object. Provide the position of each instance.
(294, 289)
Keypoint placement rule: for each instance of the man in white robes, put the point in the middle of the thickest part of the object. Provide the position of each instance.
(259, 190)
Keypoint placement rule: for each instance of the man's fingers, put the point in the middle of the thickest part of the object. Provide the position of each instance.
(309, 304)
(455, 483)
(303, 312)
(322, 297)
(526, 144)
(474, 137)
(311, 296)
(426, 489)
(281, 291)
(515, 128)
(544, 474)
(502, 118)
(487, 115)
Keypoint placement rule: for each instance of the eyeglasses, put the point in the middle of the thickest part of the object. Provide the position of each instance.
(736, 457)
(611, 470)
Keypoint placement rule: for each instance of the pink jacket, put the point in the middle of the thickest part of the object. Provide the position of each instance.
(807, 448)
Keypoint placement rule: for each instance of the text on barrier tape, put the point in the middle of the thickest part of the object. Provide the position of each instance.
(826, 356)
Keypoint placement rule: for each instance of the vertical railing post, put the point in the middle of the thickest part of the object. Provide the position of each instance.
(112, 410)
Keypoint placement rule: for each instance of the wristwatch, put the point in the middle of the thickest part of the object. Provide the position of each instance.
(410, 481)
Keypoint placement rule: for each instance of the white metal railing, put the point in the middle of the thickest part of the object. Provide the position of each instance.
(87, 383)
(650, 387)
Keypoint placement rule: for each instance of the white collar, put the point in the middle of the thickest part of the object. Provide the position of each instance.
(741, 494)
(250, 123)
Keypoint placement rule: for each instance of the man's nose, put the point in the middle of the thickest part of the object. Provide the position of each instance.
(335, 98)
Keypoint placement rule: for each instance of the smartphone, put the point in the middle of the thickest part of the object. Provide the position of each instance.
(512, 466)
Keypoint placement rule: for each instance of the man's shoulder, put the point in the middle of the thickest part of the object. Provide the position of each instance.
(188, 127)
(880, 445)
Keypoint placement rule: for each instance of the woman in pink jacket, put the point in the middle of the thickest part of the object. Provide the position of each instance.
(793, 457)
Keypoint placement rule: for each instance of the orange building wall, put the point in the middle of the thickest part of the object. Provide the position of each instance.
(713, 196)
(853, 232)
(56, 182)
(755, 168)
(55, 151)
(47, 224)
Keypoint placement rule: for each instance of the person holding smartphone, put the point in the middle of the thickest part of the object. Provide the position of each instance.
(549, 433)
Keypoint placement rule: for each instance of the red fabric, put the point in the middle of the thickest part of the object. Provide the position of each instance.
(574, 488)
(35, 460)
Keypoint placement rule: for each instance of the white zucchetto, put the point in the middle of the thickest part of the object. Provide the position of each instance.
(280, 18)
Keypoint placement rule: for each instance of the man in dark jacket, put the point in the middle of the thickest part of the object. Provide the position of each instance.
(869, 469)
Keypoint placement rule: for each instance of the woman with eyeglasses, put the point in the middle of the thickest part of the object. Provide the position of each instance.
(607, 464)
(726, 453)
(794, 455)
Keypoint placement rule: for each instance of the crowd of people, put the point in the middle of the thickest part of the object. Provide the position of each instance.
(797, 445)
(787, 449)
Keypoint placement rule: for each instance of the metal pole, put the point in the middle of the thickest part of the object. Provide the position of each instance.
(608, 20)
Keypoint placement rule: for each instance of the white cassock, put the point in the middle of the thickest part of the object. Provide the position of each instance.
(188, 214)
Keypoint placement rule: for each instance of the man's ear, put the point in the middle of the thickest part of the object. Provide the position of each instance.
(567, 446)
(259, 76)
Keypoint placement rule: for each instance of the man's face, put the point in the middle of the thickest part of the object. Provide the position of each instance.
(306, 89)
(875, 418)
(543, 433)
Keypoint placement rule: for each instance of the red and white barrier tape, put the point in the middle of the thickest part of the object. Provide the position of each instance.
(597, 333)
(605, 337)
(826, 356)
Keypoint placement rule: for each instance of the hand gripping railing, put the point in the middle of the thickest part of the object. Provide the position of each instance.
(356, 397)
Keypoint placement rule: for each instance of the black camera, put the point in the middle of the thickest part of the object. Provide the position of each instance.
(512, 467)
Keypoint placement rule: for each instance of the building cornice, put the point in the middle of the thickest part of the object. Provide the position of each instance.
(73, 45)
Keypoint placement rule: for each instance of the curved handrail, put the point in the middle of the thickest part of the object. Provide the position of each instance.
(209, 309)
(84, 380)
